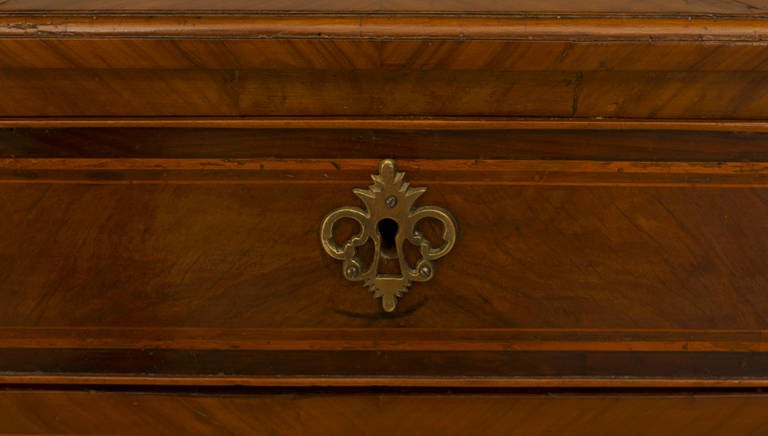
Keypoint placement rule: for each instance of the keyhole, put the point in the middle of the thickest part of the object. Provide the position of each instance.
(388, 232)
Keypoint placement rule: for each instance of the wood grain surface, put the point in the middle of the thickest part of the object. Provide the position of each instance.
(164, 168)
(50, 412)
(167, 267)
(372, 65)
(339, 54)
(394, 138)
(754, 7)
(382, 124)
(364, 27)
(141, 92)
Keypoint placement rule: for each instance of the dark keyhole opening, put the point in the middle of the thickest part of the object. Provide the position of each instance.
(388, 231)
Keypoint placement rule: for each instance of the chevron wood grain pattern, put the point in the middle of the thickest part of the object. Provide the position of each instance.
(252, 63)
(391, 54)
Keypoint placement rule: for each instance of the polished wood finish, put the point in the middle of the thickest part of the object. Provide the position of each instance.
(706, 7)
(132, 52)
(170, 275)
(398, 138)
(362, 26)
(378, 383)
(165, 166)
(75, 92)
(251, 63)
(383, 124)
(46, 412)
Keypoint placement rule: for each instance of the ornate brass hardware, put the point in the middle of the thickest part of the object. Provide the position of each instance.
(390, 199)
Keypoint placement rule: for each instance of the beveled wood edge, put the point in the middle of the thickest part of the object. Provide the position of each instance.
(694, 28)
(628, 7)
(351, 165)
(343, 171)
(416, 382)
(368, 339)
(437, 123)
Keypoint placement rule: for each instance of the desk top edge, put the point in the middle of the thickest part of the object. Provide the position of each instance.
(502, 7)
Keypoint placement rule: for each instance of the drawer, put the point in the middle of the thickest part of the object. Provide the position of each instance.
(165, 176)
(193, 256)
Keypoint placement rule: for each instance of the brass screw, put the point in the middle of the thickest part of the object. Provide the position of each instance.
(425, 271)
(352, 271)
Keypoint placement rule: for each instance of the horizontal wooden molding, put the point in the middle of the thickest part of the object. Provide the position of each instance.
(410, 339)
(389, 6)
(507, 7)
(560, 28)
(400, 123)
(427, 382)
(345, 171)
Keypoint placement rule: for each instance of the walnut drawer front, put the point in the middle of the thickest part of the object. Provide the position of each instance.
(164, 269)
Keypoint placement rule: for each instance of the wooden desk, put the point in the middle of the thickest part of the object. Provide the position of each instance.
(165, 168)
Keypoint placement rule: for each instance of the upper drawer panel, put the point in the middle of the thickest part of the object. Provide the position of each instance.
(287, 65)
(375, 93)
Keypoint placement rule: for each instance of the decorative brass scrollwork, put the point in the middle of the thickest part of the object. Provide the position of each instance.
(389, 199)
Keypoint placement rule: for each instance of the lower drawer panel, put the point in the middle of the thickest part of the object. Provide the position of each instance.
(625, 272)
(52, 412)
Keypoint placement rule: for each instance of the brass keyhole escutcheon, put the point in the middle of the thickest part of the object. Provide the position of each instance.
(389, 219)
